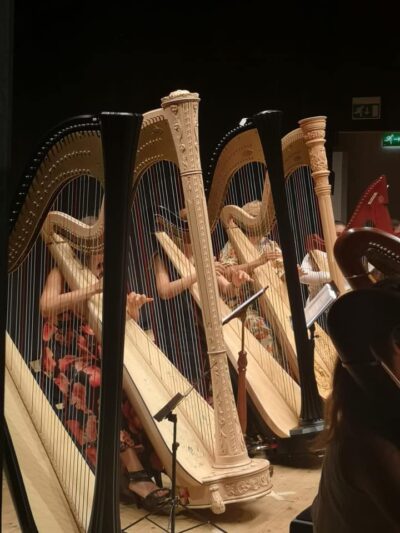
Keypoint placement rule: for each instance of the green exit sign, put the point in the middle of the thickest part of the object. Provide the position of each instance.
(391, 138)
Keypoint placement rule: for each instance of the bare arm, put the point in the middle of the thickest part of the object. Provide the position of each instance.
(266, 256)
(166, 288)
(231, 264)
(54, 301)
(310, 276)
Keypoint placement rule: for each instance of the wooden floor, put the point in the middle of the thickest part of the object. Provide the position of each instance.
(293, 490)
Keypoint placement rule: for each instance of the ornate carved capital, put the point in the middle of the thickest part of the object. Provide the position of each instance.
(181, 109)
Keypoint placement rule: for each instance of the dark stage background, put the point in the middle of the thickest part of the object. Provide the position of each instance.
(241, 56)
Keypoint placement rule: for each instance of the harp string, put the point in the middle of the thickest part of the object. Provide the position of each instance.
(173, 324)
(49, 389)
(246, 186)
(80, 410)
(306, 222)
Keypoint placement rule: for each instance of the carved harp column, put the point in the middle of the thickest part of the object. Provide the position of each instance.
(181, 110)
(314, 135)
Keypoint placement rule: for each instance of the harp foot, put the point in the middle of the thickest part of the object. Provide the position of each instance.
(217, 503)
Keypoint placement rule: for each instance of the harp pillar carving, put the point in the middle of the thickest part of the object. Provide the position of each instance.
(181, 109)
(314, 135)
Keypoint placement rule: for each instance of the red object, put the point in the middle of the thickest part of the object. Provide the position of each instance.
(372, 210)
(48, 331)
(95, 375)
(65, 362)
(48, 362)
(314, 242)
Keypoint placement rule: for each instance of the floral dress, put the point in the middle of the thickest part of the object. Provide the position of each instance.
(71, 358)
(71, 365)
(255, 323)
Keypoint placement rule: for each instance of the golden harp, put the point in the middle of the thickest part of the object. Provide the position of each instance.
(213, 461)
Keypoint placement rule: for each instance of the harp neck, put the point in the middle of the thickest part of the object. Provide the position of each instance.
(80, 236)
(314, 137)
(357, 249)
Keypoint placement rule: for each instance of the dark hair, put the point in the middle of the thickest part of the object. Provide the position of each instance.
(395, 222)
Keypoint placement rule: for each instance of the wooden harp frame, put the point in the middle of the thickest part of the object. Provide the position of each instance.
(356, 248)
(219, 478)
(301, 147)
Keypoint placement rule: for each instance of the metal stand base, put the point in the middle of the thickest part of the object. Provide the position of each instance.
(166, 412)
(186, 510)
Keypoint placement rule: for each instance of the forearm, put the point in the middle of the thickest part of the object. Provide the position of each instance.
(315, 278)
(134, 314)
(245, 267)
(170, 289)
(52, 305)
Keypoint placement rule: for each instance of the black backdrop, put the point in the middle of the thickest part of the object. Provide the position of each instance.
(242, 56)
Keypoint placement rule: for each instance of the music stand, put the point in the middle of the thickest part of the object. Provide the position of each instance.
(320, 303)
(240, 312)
(167, 413)
(313, 310)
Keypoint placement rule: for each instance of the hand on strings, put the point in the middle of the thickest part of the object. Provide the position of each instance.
(134, 302)
(239, 277)
(97, 287)
(270, 255)
(220, 269)
(301, 271)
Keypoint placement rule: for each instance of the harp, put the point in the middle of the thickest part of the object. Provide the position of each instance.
(60, 462)
(372, 209)
(358, 248)
(238, 175)
(359, 342)
(213, 462)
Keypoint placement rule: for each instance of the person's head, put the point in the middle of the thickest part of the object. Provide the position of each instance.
(339, 227)
(95, 262)
(365, 328)
(396, 225)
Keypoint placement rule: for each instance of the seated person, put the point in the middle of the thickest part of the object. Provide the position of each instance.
(309, 271)
(360, 482)
(178, 326)
(72, 357)
(269, 251)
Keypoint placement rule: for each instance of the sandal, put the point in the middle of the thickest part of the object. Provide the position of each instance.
(158, 501)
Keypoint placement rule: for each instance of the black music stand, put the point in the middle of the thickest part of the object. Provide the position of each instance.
(167, 413)
(240, 312)
(313, 310)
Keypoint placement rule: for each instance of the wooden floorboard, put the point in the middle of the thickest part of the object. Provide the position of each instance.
(293, 490)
